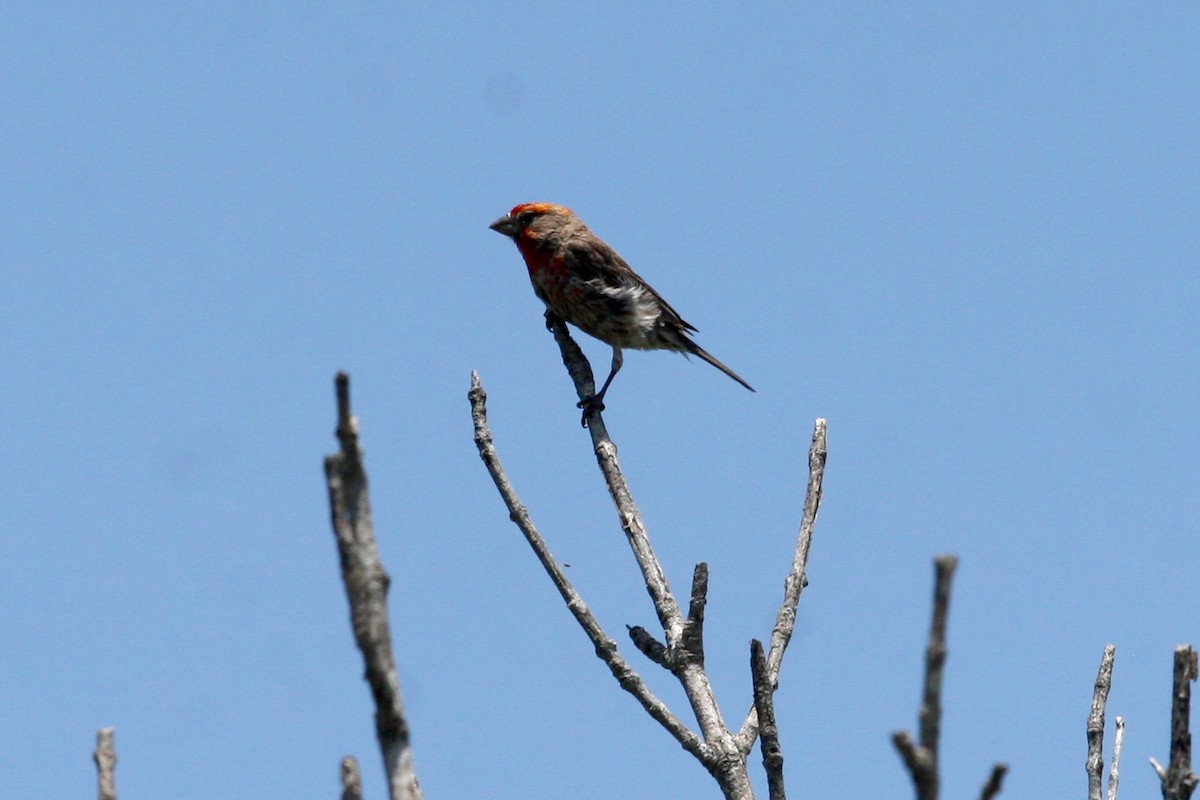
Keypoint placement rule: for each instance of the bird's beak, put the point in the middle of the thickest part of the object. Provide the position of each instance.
(506, 225)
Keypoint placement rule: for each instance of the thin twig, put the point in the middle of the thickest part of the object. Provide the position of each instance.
(366, 584)
(725, 759)
(105, 757)
(606, 648)
(689, 671)
(764, 704)
(797, 578)
(351, 779)
(1178, 780)
(921, 759)
(648, 646)
(1114, 775)
(935, 656)
(631, 518)
(1095, 725)
(693, 632)
(914, 758)
(994, 781)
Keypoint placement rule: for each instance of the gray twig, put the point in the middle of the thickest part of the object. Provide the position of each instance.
(351, 779)
(1178, 780)
(689, 671)
(797, 578)
(693, 631)
(935, 656)
(764, 704)
(648, 646)
(630, 516)
(105, 757)
(366, 584)
(1095, 724)
(995, 779)
(921, 757)
(1114, 775)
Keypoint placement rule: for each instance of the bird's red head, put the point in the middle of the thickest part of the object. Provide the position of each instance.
(531, 221)
(540, 208)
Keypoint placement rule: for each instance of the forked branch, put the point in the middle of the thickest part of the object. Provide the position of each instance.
(681, 648)
(921, 757)
(606, 647)
(1178, 780)
(797, 577)
(1095, 724)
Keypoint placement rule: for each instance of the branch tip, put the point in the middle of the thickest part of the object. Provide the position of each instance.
(994, 781)
(105, 757)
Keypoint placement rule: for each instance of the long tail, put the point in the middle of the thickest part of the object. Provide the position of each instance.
(696, 349)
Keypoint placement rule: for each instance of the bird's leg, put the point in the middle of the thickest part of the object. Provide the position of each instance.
(617, 361)
(596, 401)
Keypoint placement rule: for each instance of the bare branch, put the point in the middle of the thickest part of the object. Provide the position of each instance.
(693, 632)
(105, 757)
(723, 756)
(366, 584)
(764, 704)
(688, 671)
(648, 646)
(1178, 780)
(922, 759)
(935, 656)
(992, 787)
(1114, 775)
(351, 779)
(914, 758)
(797, 578)
(631, 518)
(1095, 724)
(606, 648)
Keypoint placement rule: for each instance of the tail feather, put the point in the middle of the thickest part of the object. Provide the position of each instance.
(696, 349)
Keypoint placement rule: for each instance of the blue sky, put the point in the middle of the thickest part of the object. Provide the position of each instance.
(967, 236)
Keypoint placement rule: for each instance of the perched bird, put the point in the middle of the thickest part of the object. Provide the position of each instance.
(583, 281)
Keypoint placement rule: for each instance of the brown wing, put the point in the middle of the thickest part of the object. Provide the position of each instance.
(592, 259)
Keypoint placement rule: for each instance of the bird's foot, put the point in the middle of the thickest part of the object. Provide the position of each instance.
(589, 405)
(551, 318)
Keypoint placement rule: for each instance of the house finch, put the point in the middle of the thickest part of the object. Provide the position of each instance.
(583, 281)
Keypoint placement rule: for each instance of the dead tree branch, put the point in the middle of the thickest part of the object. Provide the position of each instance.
(681, 649)
(723, 761)
(994, 781)
(764, 704)
(606, 647)
(105, 757)
(630, 516)
(693, 632)
(366, 584)
(921, 758)
(1095, 725)
(1114, 775)
(1178, 780)
(797, 577)
(351, 779)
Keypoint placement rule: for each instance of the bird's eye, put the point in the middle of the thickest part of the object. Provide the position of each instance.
(524, 219)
